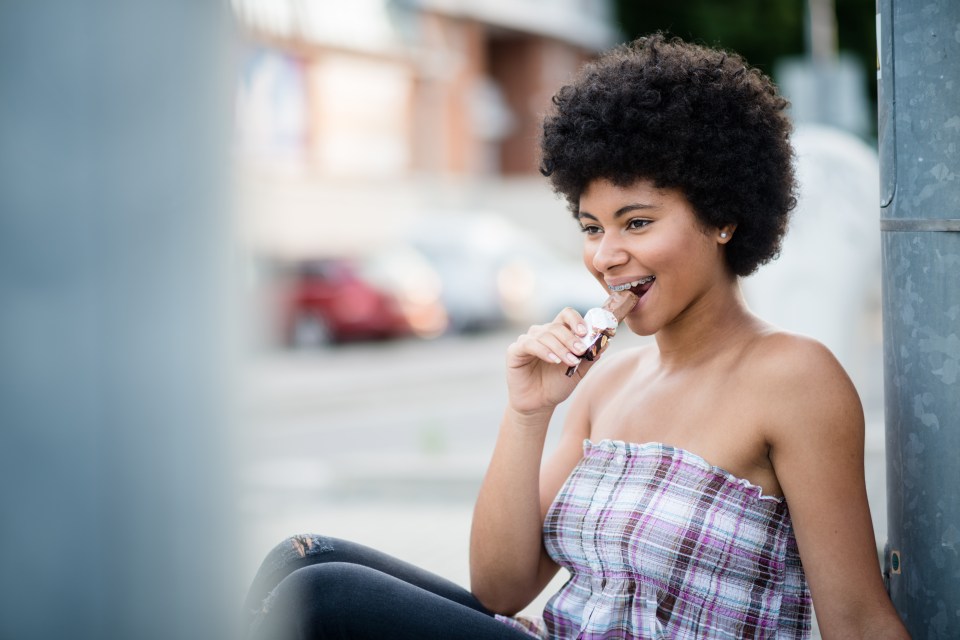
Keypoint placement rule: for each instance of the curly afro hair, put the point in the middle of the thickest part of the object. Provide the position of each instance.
(683, 116)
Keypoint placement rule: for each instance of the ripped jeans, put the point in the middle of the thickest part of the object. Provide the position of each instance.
(310, 587)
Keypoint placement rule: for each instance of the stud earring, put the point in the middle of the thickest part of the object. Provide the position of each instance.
(723, 234)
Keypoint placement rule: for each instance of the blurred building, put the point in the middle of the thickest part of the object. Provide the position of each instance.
(389, 87)
(365, 113)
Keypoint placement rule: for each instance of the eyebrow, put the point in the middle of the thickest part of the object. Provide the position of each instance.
(619, 212)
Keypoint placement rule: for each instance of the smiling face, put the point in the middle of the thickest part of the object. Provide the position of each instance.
(650, 241)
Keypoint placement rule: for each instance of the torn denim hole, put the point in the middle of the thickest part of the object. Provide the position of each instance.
(292, 550)
(306, 545)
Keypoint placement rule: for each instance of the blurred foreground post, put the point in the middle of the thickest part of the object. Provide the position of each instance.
(114, 250)
(919, 128)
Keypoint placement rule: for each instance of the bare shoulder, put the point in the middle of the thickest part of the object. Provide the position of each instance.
(805, 390)
(791, 356)
(796, 366)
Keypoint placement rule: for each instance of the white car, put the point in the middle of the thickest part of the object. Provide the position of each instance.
(494, 273)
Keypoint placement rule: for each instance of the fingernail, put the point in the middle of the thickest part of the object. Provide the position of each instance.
(572, 359)
(579, 347)
(555, 358)
(581, 330)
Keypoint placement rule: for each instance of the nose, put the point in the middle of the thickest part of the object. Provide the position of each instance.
(609, 254)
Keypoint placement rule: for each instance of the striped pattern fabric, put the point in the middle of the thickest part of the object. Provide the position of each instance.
(661, 544)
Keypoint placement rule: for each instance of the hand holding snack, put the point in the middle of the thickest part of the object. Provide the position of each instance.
(534, 381)
(602, 322)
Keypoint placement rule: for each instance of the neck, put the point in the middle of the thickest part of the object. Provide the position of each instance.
(718, 321)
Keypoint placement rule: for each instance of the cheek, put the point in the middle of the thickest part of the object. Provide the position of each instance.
(702, 251)
(661, 253)
(676, 250)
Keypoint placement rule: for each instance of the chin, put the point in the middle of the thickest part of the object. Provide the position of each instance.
(640, 328)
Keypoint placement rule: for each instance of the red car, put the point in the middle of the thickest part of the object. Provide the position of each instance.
(328, 301)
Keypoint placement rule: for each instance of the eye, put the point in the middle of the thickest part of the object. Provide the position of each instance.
(638, 223)
(591, 229)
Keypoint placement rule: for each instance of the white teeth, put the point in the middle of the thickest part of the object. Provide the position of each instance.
(630, 285)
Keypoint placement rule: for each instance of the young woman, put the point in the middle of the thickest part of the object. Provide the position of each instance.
(705, 485)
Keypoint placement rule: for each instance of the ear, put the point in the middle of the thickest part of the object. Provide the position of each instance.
(725, 233)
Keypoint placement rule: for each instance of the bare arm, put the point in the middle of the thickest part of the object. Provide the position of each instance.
(508, 565)
(816, 446)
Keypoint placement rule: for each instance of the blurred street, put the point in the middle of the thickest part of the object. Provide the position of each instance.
(386, 444)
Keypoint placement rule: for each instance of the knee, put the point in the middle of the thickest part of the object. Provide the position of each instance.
(333, 584)
(295, 551)
(288, 556)
(321, 596)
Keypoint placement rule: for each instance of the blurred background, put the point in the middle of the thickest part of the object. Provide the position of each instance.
(394, 143)
(338, 210)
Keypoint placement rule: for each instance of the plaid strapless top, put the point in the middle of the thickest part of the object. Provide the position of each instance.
(661, 544)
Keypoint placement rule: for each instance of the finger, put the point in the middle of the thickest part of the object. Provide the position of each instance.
(572, 319)
(567, 336)
(560, 337)
(564, 344)
(593, 354)
(558, 328)
(529, 346)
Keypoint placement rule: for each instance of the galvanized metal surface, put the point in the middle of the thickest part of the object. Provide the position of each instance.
(919, 126)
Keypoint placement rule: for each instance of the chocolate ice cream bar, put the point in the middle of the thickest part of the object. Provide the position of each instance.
(602, 322)
(620, 303)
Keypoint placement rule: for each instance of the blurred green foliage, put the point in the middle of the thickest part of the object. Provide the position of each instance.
(762, 31)
(759, 30)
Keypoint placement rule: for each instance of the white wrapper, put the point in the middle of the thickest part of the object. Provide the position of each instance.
(598, 321)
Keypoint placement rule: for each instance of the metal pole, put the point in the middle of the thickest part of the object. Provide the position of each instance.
(919, 139)
(114, 465)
